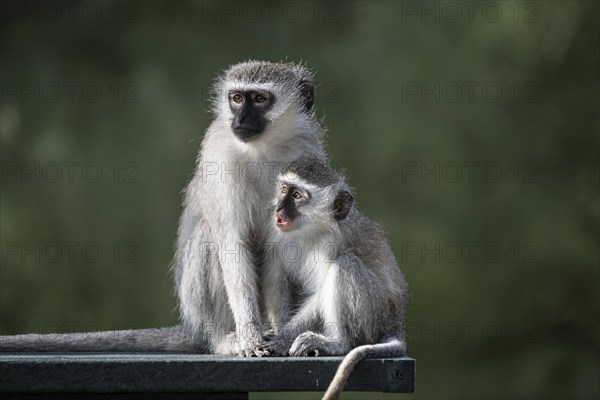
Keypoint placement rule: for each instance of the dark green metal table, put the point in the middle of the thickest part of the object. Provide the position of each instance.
(186, 376)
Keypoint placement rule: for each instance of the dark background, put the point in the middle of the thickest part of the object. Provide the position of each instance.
(470, 132)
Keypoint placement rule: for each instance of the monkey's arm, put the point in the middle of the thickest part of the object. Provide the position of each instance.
(392, 347)
(171, 339)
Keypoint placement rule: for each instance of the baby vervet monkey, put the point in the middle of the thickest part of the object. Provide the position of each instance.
(338, 266)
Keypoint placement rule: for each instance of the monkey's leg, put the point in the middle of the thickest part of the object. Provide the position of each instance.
(333, 341)
(276, 294)
(205, 310)
(345, 298)
(306, 318)
(240, 284)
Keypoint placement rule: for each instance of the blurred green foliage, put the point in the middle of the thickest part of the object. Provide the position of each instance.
(424, 108)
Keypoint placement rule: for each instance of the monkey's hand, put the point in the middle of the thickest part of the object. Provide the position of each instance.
(276, 347)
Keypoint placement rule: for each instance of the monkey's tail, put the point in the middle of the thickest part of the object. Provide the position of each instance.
(171, 339)
(392, 347)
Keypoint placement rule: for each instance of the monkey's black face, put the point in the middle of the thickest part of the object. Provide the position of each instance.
(293, 202)
(287, 210)
(249, 109)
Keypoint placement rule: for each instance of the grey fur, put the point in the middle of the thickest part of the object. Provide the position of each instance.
(317, 171)
(353, 291)
(263, 71)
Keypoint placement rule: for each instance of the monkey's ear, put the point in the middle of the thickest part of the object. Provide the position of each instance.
(342, 204)
(307, 93)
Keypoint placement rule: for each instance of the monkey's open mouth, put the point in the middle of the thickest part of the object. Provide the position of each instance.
(282, 223)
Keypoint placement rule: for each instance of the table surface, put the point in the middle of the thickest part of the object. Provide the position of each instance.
(172, 373)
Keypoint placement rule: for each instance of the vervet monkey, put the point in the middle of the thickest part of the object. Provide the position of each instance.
(263, 120)
(341, 267)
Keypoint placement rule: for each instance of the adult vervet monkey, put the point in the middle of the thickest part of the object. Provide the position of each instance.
(341, 267)
(263, 119)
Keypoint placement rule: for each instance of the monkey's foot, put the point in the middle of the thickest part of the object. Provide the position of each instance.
(242, 348)
(248, 349)
(310, 344)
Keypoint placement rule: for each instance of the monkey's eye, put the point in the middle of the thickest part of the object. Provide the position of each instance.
(259, 98)
(237, 98)
(297, 195)
(284, 189)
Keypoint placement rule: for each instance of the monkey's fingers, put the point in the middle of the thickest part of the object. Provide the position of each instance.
(263, 350)
(255, 350)
(262, 353)
(306, 345)
(301, 349)
(274, 348)
(246, 353)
